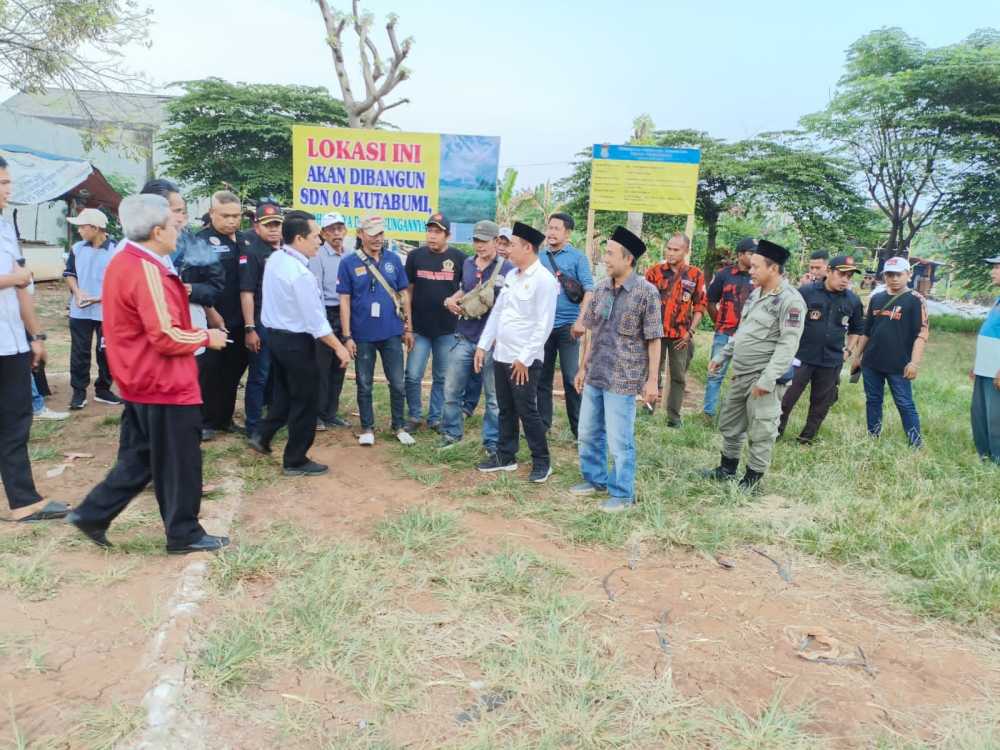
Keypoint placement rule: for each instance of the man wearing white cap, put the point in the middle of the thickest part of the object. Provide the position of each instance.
(325, 266)
(84, 276)
(891, 349)
(503, 241)
(986, 379)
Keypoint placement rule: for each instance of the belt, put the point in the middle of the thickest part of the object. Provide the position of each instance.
(281, 332)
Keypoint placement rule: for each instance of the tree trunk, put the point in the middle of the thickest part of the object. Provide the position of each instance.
(711, 255)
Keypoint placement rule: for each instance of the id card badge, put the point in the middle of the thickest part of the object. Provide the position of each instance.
(376, 310)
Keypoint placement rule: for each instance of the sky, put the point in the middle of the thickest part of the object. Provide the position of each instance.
(550, 78)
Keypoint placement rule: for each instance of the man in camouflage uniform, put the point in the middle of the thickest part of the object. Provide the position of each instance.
(761, 354)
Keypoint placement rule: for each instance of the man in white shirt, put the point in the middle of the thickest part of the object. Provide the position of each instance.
(295, 319)
(518, 327)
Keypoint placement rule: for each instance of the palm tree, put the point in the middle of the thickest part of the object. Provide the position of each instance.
(507, 200)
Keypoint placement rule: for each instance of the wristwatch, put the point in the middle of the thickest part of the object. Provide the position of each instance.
(249, 328)
(38, 337)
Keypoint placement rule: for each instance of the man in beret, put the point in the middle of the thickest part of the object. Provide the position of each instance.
(619, 363)
(761, 354)
(986, 379)
(516, 331)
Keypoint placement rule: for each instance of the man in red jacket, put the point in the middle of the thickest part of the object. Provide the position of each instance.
(150, 347)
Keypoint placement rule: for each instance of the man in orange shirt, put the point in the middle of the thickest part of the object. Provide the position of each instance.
(683, 301)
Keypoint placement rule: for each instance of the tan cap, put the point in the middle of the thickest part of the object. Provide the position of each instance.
(372, 224)
(90, 216)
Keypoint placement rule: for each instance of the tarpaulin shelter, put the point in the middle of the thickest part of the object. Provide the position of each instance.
(40, 177)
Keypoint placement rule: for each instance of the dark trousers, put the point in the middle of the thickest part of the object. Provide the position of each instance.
(986, 418)
(560, 342)
(258, 391)
(902, 394)
(520, 402)
(678, 360)
(157, 443)
(331, 374)
(293, 371)
(391, 352)
(219, 375)
(84, 334)
(823, 394)
(15, 429)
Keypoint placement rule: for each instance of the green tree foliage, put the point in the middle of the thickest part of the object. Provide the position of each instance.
(903, 114)
(70, 44)
(240, 135)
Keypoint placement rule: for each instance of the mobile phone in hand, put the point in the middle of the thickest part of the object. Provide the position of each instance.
(856, 374)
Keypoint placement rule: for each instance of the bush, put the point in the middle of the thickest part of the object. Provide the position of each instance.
(955, 324)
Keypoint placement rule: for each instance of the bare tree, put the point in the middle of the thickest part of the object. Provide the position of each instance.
(379, 79)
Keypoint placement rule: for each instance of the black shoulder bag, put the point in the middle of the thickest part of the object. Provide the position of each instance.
(572, 287)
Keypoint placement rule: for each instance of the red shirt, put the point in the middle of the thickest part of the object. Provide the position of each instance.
(682, 294)
(147, 330)
(729, 290)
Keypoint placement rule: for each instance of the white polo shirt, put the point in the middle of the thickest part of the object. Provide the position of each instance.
(292, 299)
(521, 320)
(13, 339)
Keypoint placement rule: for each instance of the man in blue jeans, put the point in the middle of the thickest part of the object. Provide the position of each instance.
(620, 363)
(372, 286)
(570, 267)
(478, 271)
(727, 292)
(434, 273)
(891, 348)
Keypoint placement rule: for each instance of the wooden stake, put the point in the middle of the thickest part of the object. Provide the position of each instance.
(689, 228)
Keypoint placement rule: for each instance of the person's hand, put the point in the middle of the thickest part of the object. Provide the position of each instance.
(22, 276)
(343, 354)
(651, 393)
(581, 375)
(79, 298)
(910, 371)
(577, 330)
(996, 381)
(352, 348)
(216, 338)
(714, 367)
(409, 341)
(38, 354)
(758, 392)
(214, 319)
(478, 359)
(519, 373)
(972, 376)
(188, 288)
(452, 304)
(682, 343)
(252, 339)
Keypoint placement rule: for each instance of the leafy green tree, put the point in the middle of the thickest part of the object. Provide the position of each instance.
(240, 135)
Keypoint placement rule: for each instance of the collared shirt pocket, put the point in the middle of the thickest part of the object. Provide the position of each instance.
(630, 323)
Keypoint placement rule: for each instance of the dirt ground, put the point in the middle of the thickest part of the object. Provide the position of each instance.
(84, 631)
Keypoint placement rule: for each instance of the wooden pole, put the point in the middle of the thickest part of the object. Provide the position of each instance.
(591, 244)
(689, 228)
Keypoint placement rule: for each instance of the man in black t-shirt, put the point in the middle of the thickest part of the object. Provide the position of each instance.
(891, 349)
(434, 271)
(833, 313)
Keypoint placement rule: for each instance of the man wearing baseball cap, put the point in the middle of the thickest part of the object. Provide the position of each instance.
(986, 379)
(84, 274)
(503, 241)
(325, 266)
(374, 314)
(833, 312)
(891, 348)
(267, 224)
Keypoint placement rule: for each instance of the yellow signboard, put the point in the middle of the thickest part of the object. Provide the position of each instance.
(649, 179)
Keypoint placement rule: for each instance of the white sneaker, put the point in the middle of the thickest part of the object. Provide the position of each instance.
(47, 413)
(405, 438)
(366, 438)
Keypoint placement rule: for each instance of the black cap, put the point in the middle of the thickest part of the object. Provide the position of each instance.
(629, 241)
(528, 234)
(843, 263)
(773, 251)
(438, 219)
(747, 245)
(267, 212)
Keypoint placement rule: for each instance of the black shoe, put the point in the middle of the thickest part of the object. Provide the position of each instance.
(337, 422)
(107, 397)
(234, 428)
(413, 425)
(751, 481)
(78, 402)
(725, 471)
(493, 463)
(674, 423)
(207, 433)
(308, 469)
(255, 442)
(436, 427)
(96, 534)
(804, 439)
(51, 511)
(540, 475)
(207, 543)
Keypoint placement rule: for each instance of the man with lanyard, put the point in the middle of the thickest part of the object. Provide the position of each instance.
(295, 320)
(84, 276)
(576, 287)
(986, 379)
(833, 312)
(891, 348)
(222, 370)
(761, 352)
(516, 331)
(22, 348)
(682, 298)
(618, 364)
(374, 315)
(481, 270)
(325, 266)
(265, 240)
(434, 271)
(726, 295)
